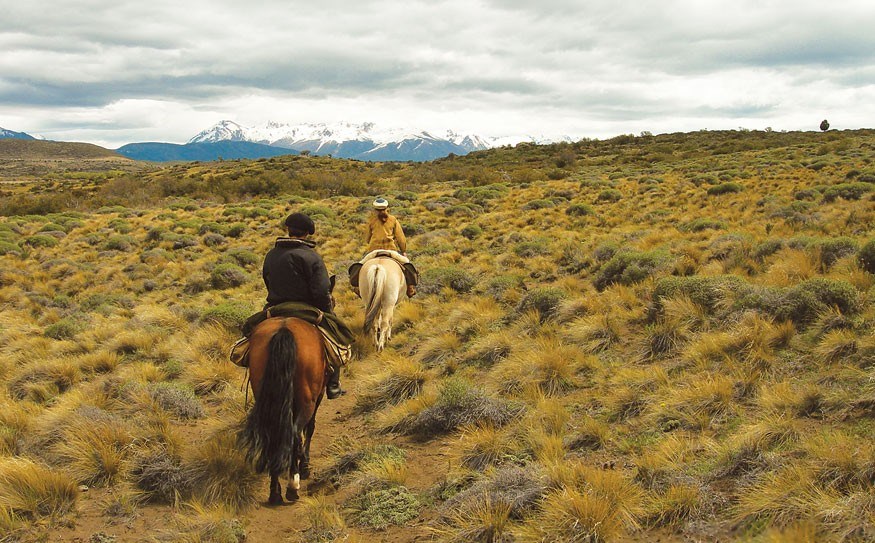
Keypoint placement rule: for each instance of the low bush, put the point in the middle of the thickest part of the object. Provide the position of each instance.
(231, 314)
(227, 276)
(41, 240)
(609, 195)
(847, 191)
(701, 224)
(629, 267)
(866, 256)
(456, 278)
(458, 404)
(544, 300)
(725, 188)
(472, 231)
(579, 210)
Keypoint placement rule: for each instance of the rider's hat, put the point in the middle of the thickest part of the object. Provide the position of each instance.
(300, 222)
(381, 203)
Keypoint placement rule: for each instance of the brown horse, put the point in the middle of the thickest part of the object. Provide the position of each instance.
(287, 367)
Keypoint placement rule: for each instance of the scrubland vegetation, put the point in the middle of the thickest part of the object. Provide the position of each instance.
(648, 336)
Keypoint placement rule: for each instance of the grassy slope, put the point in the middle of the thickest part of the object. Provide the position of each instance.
(554, 330)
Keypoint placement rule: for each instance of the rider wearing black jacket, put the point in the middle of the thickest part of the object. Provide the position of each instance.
(294, 272)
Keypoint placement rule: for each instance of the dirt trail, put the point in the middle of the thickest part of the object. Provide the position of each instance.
(427, 464)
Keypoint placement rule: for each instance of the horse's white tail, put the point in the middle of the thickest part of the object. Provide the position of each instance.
(377, 280)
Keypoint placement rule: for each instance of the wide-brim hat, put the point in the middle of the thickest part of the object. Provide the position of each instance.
(381, 203)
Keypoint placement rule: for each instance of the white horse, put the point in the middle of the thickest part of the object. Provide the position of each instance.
(381, 290)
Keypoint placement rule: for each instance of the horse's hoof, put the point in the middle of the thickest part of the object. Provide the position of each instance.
(275, 499)
(305, 472)
(291, 495)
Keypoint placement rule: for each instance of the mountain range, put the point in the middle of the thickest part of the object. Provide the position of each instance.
(9, 134)
(229, 140)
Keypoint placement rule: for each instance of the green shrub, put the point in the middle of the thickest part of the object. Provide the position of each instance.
(833, 249)
(704, 291)
(725, 188)
(539, 204)
(176, 399)
(119, 242)
(7, 248)
(213, 239)
(227, 275)
(241, 256)
(41, 240)
(579, 210)
(528, 249)
(847, 191)
(472, 231)
(456, 278)
(65, 328)
(701, 224)
(804, 302)
(544, 300)
(767, 248)
(458, 404)
(383, 507)
(230, 314)
(866, 256)
(236, 230)
(806, 194)
(499, 284)
(629, 267)
(316, 210)
(609, 195)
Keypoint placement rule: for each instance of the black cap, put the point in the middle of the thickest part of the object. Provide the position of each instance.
(299, 222)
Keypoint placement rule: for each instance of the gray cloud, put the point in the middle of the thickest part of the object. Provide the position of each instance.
(561, 65)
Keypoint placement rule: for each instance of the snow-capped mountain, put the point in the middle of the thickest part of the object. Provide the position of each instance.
(365, 141)
(9, 134)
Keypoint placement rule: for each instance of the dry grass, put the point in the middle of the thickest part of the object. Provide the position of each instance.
(738, 387)
(31, 491)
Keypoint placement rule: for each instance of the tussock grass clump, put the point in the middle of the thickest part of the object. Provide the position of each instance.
(176, 399)
(516, 489)
(325, 521)
(31, 491)
(403, 379)
(96, 452)
(480, 520)
(458, 403)
(484, 446)
(488, 350)
(371, 459)
(217, 472)
(549, 365)
(596, 333)
(545, 300)
(589, 434)
(672, 508)
(160, 475)
(200, 522)
(570, 515)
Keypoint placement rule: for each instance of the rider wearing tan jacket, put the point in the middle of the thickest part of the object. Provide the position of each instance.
(384, 232)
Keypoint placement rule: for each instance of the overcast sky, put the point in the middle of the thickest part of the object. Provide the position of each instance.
(115, 72)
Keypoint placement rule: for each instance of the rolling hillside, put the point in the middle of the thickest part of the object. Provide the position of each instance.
(645, 338)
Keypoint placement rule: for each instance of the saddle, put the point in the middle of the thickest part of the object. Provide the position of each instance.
(337, 338)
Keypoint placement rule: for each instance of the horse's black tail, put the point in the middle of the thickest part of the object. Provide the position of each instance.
(269, 433)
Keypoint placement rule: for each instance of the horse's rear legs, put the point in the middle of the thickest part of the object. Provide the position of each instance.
(295, 471)
(276, 491)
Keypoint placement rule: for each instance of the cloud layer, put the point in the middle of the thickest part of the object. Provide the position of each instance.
(116, 72)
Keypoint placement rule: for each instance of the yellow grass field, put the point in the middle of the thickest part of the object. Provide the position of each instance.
(645, 338)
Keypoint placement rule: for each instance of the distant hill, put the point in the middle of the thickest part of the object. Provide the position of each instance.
(207, 151)
(33, 149)
(10, 134)
(23, 159)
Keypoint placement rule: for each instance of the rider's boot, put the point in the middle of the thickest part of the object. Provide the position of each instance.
(332, 388)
